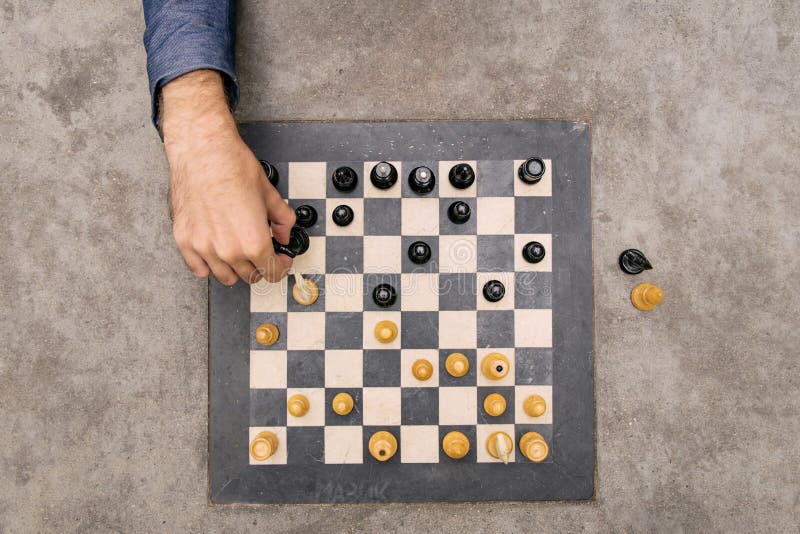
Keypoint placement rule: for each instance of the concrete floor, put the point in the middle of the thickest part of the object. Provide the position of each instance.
(696, 143)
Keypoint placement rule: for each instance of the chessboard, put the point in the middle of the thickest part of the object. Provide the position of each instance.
(448, 355)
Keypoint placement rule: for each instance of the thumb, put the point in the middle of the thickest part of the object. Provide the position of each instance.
(279, 213)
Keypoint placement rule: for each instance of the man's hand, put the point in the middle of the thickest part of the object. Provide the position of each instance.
(221, 200)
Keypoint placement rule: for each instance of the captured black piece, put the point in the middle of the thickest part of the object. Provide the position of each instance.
(342, 215)
(462, 175)
(459, 212)
(633, 261)
(383, 175)
(270, 171)
(306, 216)
(533, 252)
(384, 295)
(419, 252)
(421, 180)
(344, 179)
(494, 290)
(297, 245)
(531, 171)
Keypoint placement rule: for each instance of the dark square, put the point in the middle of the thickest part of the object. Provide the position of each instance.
(318, 204)
(268, 407)
(495, 328)
(319, 304)
(506, 417)
(420, 406)
(343, 330)
(470, 432)
(305, 444)
(305, 368)
(409, 166)
(469, 379)
(369, 431)
(420, 330)
(448, 227)
(354, 417)
(283, 175)
(332, 192)
(533, 366)
(276, 318)
(533, 290)
(532, 215)
(371, 280)
(495, 178)
(547, 433)
(431, 266)
(457, 291)
(381, 368)
(344, 254)
(382, 216)
(495, 253)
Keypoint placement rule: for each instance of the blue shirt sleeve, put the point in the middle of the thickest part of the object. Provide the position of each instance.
(185, 35)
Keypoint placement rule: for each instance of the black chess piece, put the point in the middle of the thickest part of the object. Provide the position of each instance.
(462, 175)
(421, 180)
(383, 175)
(533, 252)
(384, 295)
(342, 215)
(298, 243)
(270, 171)
(531, 171)
(344, 179)
(459, 212)
(633, 261)
(494, 290)
(419, 252)
(306, 216)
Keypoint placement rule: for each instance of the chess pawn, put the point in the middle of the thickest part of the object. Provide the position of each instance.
(385, 331)
(422, 369)
(306, 292)
(382, 445)
(342, 403)
(263, 446)
(535, 406)
(533, 446)
(267, 334)
(494, 404)
(298, 405)
(455, 445)
(646, 296)
(494, 366)
(457, 364)
(499, 445)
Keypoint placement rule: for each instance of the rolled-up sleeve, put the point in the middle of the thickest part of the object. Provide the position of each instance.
(185, 35)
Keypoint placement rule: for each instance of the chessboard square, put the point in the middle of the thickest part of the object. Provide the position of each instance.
(458, 405)
(318, 305)
(508, 302)
(355, 228)
(420, 291)
(268, 297)
(495, 215)
(507, 392)
(469, 379)
(482, 435)
(448, 227)
(534, 366)
(533, 290)
(546, 431)
(421, 444)
(469, 432)
(419, 330)
(307, 179)
(370, 319)
(373, 280)
(521, 264)
(383, 254)
(305, 368)
(381, 368)
(316, 407)
(446, 189)
(497, 178)
(268, 407)
(394, 430)
(382, 406)
(496, 253)
(370, 191)
(344, 368)
(343, 255)
(314, 259)
(495, 328)
(407, 359)
(305, 330)
(508, 380)
(408, 266)
(458, 254)
(523, 392)
(354, 418)
(533, 328)
(532, 215)
(319, 206)
(332, 192)
(420, 406)
(457, 291)
(458, 329)
(543, 188)
(343, 445)
(278, 319)
(420, 216)
(268, 369)
(279, 457)
(305, 445)
(344, 292)
(382, 216)
(408, 167)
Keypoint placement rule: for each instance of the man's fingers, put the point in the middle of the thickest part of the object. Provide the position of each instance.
(222, 271)
(246, 271)
(196, 264)
(280, 214)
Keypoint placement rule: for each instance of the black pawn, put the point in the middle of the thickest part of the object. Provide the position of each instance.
(459, 212)
(306, 216)
(494, 290)
(344, 179)
(633, 261)
(298, 243)
(533, 252)
(342, 215)
(384, 295)
(421, 180)
(383, 175)
(270, 171)
(531, 171)
(419, 252)
(462, 175)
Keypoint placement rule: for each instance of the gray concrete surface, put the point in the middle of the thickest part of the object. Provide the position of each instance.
(695, 125)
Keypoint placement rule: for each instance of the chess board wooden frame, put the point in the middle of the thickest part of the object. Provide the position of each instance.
(567, 474)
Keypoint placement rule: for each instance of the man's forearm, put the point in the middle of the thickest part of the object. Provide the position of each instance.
(194, 104)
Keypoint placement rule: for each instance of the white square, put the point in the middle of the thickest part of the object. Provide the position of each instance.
(458, 329)
(458, 253)
(268, 297)
(382, 254)
(458, 405)
(344, 368)
(370, 191)
(381, 406)
(305, 330)
(372, 318)
(344, 292)
(482, 433)
(523, 392)
(522, 265)
(407, 359)
(446, 189)
(344, 445)
(542, 189)
(316, 407)
(505, 303)
(307, 179)
(355, 228)
(419, 444)
(495, 215)
(507, 380)
(279, 456)
(533, 328)
(313, 261)
(419, 216)
(267, 369)
(420, 291)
